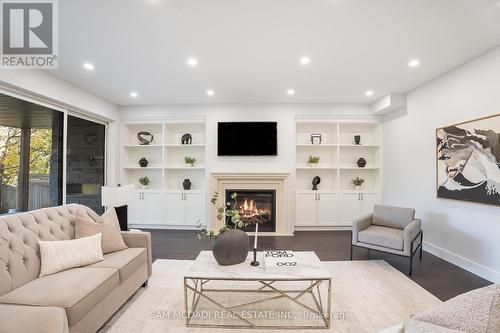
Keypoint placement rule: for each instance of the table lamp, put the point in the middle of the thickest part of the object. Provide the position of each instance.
(118, 197)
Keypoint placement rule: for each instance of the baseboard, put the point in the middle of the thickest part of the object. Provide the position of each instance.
(467, 264)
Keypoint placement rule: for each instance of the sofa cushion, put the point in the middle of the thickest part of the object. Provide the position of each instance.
(473, 312)
(107, 225)
(58, 256)
(32, 319)
(382, 236)
(76, 290)
(126, 261)
(392, 217)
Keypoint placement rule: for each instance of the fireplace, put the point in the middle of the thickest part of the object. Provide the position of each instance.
(255, 206)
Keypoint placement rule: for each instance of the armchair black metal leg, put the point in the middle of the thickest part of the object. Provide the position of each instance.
(421, 244)
(351, 252)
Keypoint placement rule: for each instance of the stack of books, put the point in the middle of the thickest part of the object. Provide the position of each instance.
(277, 261)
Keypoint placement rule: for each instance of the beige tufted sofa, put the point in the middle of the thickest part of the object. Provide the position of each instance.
(76, 300)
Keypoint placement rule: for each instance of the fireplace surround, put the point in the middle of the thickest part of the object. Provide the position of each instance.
(262, 181)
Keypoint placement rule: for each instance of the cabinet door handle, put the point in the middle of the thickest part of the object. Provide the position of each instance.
(359, 196)
(362, 196)
(319, 196)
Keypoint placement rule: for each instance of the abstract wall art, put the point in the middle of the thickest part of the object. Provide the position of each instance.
(468, 161)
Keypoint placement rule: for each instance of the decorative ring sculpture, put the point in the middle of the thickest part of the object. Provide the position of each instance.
(145, 138)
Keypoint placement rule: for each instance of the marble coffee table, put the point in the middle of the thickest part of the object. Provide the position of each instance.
(245, 296)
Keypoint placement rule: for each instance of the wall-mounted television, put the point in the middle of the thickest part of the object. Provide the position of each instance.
(247, 139)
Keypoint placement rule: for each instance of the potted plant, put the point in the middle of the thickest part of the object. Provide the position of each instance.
(189, 160)
(144, 181)
(357, 182)
(230, 245)
(313, 160)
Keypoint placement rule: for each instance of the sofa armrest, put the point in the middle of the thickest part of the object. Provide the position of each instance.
(359, 225)
(140, 239)
(32, 319)
(409, 233)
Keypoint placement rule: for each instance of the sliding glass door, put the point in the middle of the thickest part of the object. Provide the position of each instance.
(31, 145)
(85, 166)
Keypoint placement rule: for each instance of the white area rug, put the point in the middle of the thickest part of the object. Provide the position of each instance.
(367, 296)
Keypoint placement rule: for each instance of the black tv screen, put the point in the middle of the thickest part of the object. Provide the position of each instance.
(247, 139)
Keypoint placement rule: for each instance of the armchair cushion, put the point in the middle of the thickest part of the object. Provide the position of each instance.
(359, 225)
(382, 236)
(392, 217)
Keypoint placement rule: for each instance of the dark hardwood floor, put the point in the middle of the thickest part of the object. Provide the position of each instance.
(439, 277)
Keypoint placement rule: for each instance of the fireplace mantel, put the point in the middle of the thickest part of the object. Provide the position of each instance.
(278, 181)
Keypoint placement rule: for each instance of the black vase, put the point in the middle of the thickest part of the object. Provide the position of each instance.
(361, 162)
(357, 139)
(143, 162)
(231, 247)
(186, 184)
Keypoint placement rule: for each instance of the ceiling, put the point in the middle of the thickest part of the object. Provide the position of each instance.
(248, 51)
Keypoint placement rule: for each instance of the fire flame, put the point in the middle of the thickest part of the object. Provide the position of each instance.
(249, 209)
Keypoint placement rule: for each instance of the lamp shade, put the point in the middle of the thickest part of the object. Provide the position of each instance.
(117, 196)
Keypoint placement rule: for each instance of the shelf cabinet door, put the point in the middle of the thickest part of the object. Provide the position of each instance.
(174, 208)
(350, 207)
(328, 209)
(306, 209)
(195, 208)
(368, 201)
(152, 208)
(134, 210)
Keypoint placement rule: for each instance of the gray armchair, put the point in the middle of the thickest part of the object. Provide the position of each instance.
(389, 229)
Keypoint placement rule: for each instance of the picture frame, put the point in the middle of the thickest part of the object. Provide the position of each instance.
(468, 161)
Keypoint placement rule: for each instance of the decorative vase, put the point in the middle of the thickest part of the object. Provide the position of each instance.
(143, 162)
(357, 187)
(186, 184)
(357, 139)
(231, 247)
(361, 162)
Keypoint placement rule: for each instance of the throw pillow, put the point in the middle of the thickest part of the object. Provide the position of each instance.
(107, 224)
(56, 256)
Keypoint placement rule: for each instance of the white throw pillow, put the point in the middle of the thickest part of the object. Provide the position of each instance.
(56, 256)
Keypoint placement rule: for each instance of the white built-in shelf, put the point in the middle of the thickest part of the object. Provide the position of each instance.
(175, 145)
(355, 167)
(185, 168)
(141, 146)
(359, 146)
(142, 168)
(310, 145)
(166, 168)
(320, 167)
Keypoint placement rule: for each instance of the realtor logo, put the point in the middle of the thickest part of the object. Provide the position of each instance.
(29, 34)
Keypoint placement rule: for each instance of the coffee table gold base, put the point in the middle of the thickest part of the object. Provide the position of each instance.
(265, 287)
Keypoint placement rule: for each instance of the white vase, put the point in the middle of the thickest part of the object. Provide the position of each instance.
(357, 187)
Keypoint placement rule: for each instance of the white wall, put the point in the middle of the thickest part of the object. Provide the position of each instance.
(284, 114)
(467, 234)
(43, 87)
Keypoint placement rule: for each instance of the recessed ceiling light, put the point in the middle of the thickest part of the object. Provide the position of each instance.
(192, 62)
(369, 93)
(134, 94)
(290, 92)
(88, 66)
(305, 60)
(413, 63)
(210, 92)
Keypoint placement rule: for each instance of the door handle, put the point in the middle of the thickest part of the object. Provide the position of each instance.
(319, 196)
